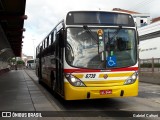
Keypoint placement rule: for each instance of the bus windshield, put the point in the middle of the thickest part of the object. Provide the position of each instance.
(111, 50)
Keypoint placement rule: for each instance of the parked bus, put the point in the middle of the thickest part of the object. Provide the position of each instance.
(89, 55)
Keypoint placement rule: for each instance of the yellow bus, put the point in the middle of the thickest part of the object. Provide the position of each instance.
(90, 55)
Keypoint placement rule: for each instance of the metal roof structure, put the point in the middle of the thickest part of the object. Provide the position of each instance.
(126, 11)
(12, 16)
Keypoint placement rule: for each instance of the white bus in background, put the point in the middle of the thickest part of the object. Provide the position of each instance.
(31, 64)
(149, 46)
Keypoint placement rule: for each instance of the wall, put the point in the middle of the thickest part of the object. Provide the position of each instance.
(5, 50)
(149, 46)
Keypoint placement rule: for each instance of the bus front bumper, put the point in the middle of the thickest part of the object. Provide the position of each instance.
(78, 93)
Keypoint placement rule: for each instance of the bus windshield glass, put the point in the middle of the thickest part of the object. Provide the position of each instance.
(110, 50)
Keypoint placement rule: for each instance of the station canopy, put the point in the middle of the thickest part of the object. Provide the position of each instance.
(12, 16)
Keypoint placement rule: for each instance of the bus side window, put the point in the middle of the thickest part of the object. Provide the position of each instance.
(43, 44)
(51, 38)
(47, 41)
(54, 37)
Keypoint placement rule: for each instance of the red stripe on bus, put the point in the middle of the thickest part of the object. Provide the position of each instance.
(112, 70)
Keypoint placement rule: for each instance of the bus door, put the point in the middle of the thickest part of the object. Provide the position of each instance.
(59, 62)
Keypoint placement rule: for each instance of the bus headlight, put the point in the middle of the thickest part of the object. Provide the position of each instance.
(74, 81)
(131, 79)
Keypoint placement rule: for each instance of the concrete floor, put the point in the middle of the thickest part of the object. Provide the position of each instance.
(19, 93)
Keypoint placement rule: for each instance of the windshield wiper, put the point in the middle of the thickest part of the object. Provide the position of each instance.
(111, 41)
(88, 30)
(115, 33)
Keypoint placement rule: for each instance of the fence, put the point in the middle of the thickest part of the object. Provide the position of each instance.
(149, 65)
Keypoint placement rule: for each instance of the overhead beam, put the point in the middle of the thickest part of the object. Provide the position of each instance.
(8, 30)
(11, 17)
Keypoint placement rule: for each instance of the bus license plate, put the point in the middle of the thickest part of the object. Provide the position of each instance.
(104, 92)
